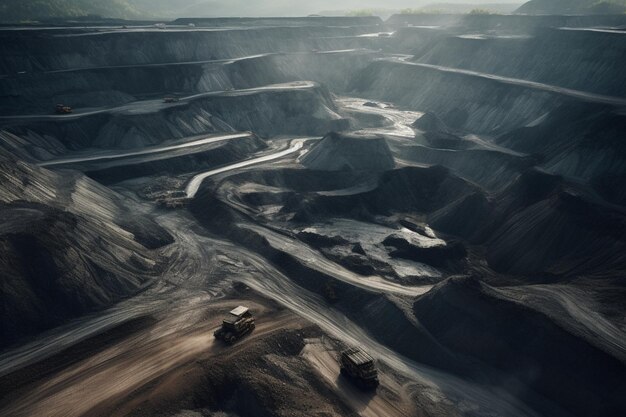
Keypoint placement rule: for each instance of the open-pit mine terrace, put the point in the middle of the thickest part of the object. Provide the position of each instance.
(445, 192)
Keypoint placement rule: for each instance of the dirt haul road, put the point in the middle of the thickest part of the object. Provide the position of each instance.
(109, 376)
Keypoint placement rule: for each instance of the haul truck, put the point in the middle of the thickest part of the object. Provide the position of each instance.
(359, 367)
(235, 325)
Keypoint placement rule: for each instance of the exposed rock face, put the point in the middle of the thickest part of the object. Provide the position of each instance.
(579, 140)
(471, 317)
(564, 234)
(296, 108)
(430, 122)
(339, 151)
(437, 132)
(432, 255)
(539, 56)
(68, 246)
(481, 104)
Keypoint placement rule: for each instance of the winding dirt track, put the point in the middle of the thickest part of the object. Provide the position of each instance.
(112, 374)
(145, 151)
(151, 106)
(568, 92)
(194, 184)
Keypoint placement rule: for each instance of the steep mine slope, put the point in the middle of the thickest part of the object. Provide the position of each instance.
(476, 104)
(349, 152)
(564, 234)
(469, 100)
(36, 92)
(485, 80)
(406, 189)
(475, 319)
(298, 108)
(69, 246)
(53, 51)
(579, 140)
(541, 225)
(539, 221)
(546, 56)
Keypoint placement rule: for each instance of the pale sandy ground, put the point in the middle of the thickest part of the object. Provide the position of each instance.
(390, 399)
(112, 374)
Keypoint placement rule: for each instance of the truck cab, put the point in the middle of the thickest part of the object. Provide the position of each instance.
(359, 367)
(237, 323)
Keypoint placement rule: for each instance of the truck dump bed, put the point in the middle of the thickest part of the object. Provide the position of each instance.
(239, 311)
(357, 356)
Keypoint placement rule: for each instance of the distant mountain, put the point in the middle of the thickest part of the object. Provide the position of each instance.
(33, 10)
(455, 7)
(573, 7)
(27, 10)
